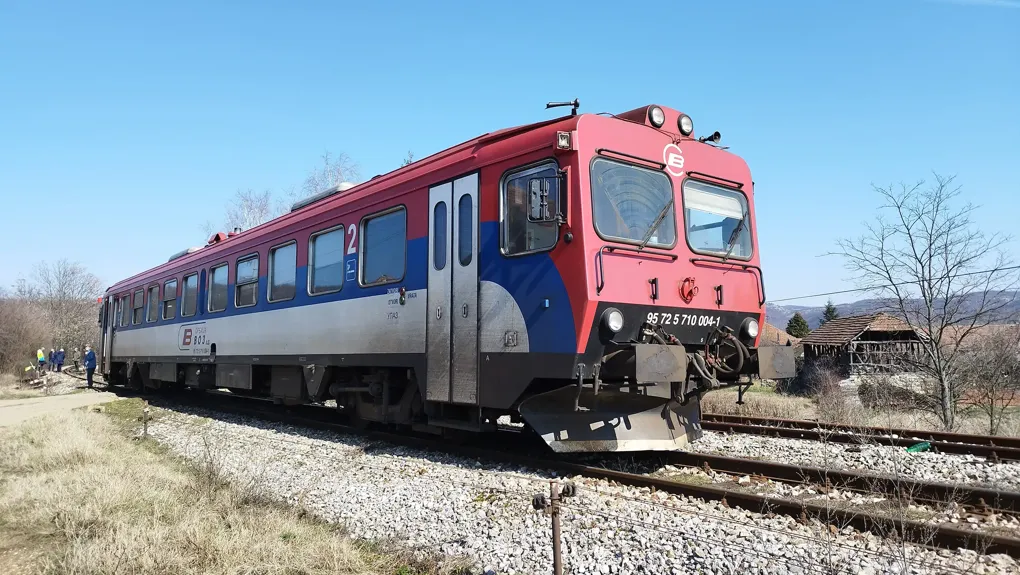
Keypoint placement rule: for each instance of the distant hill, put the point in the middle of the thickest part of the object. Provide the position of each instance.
(779, 314)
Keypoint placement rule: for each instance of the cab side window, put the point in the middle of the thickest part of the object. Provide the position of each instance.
(531, 207)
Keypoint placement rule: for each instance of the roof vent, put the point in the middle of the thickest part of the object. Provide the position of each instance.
(216, 238)
(341, 187)
(183, 253)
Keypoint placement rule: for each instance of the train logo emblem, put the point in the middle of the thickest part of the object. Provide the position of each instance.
(673, 157)
(193, 337)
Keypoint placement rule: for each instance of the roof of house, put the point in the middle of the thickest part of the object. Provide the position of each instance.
(773, 336)
(843, 330)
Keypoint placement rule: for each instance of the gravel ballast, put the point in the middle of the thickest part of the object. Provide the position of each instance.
(461, 507)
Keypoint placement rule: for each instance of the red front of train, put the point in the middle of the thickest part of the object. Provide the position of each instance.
(664, 280)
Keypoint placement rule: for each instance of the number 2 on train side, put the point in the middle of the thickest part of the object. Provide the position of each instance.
(352, 247)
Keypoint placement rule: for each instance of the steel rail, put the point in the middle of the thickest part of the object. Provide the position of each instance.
(919, 434)
(993, 453)
(983, 499)
(937, 535)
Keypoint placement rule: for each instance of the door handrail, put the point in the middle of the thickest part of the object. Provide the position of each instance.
(745, 267)
(600, 281)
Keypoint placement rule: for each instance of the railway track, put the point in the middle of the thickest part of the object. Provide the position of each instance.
(992, 448)
(946, 536)
(979, 499)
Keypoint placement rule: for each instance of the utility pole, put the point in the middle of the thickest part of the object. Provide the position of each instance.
(551, 505)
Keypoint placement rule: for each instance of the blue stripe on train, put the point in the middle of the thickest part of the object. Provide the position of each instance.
(415, 278)
(531, 280)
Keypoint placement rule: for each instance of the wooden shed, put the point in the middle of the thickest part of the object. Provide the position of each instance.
(773, 336)
(864, 344)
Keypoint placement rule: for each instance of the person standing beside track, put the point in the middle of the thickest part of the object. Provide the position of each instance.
(60, 356)
(40, 356)
(90, 365)
(76, 357)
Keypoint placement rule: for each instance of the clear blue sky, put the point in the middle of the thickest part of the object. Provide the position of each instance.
(125, 126)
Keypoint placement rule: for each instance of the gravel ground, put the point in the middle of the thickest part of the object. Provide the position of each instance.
(483, 512)
(869, 458)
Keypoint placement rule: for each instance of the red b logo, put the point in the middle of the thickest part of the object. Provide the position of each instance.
(688, 290)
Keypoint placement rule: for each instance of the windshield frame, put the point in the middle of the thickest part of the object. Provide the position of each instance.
(632, 241)
(748, 223)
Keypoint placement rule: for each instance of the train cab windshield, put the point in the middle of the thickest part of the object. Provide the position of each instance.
(717, 220)
(632, 204)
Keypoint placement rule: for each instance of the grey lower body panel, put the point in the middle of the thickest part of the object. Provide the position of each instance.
(611, 421)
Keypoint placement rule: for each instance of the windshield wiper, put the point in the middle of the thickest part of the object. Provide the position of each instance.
(734, 235)
(656, 223)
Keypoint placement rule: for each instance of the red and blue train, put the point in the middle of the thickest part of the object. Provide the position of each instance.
(591, 275)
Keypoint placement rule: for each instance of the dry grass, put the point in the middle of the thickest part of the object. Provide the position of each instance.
(90, 500)
(835, 405)
(758, 402)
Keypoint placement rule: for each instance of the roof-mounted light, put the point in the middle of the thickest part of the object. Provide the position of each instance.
(656, 116)
(563, 140)
(686, 124)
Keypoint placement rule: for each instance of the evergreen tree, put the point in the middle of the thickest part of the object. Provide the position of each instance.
(797, 326)
(830, 312)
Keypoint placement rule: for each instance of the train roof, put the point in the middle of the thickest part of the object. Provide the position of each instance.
(483, 147)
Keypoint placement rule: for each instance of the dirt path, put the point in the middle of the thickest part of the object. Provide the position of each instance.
(14, 411)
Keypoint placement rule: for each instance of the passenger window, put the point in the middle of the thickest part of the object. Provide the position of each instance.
(282, 272)
(246, 284)
(218, 288)
(326, 261)
(139, 307)
(125, 304)
(119, 313)
(189, 299)
(383, 248)
(439, 247)
(531, 206)
(170, 299)
(465, 229)
(152, 312)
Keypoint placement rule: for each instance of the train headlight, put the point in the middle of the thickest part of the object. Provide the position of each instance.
(751, 328)
(656, 116)
(613, 319)
(686, 124)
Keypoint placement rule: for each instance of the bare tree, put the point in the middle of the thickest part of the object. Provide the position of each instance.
(938, 272)
(58, 306)
(248, 208)
(332, 172)
(991, 365)
(23, 330)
